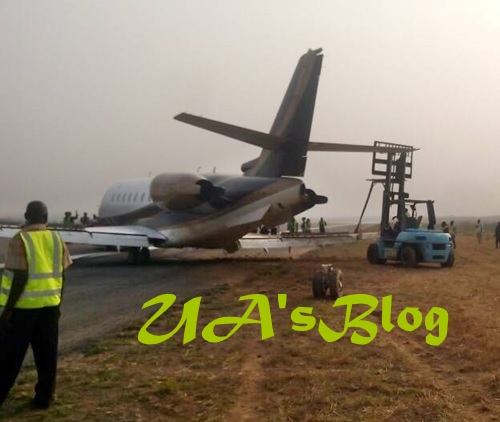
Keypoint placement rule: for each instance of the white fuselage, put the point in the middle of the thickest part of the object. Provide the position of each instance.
(250, 203)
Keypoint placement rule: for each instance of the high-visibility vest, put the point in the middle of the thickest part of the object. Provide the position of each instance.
(44, 254)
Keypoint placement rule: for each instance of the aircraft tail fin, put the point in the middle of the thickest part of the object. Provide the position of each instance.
(293, 121)
(284, 149)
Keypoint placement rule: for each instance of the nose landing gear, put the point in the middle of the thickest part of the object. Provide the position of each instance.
(328, 280)
(139, 256)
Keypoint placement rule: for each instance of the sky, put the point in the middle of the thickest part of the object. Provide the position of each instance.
(89, 90)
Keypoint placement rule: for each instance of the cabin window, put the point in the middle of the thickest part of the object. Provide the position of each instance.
(135, 197)
(142, 196)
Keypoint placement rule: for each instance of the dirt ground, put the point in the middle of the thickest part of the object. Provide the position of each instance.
(293, 375)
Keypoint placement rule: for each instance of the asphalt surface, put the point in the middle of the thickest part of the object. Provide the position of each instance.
(103, 295)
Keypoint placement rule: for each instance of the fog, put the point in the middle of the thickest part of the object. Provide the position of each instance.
(89, 90)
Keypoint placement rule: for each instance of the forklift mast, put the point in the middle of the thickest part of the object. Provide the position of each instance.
(396, 168)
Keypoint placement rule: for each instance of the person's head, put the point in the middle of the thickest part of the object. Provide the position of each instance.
(452, 222)
(443, 224)
(36, 213)
(66, 213)
(478, 221)
(85, 214)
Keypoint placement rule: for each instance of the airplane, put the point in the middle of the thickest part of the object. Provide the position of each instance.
(177, 210)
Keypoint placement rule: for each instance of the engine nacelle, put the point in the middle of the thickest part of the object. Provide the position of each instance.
(182, 191)
(312, 198)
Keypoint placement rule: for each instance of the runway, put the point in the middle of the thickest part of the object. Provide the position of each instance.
(103, 295)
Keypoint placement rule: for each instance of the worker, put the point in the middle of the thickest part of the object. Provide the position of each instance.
(444, 227)
(322, 225)
(69, 220)
(30, 294)
(308, 226)
(479, 232)
(497, 235)
(94, 221)
(453, 232)
(303, 226)
(397, 226)
(85, 220)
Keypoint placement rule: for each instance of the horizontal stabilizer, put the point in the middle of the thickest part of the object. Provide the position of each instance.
(322, 146)
(252, 137)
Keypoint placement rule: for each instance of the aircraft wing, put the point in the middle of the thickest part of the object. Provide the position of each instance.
(301, 241)
(323, 146)
(119, 236)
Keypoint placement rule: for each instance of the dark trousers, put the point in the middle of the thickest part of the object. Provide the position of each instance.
(40, 329)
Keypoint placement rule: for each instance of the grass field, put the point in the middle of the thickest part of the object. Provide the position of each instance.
(298, 376)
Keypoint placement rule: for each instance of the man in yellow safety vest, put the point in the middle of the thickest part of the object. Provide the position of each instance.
(30, 294)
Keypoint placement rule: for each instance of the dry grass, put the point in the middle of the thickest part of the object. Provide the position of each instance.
(298, 376)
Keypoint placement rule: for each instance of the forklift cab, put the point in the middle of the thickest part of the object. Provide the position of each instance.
(405, 219)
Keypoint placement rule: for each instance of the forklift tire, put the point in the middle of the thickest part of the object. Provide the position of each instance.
(318, 287)
(336, 284)
(450, 261)
(408, 257)
(373, 255)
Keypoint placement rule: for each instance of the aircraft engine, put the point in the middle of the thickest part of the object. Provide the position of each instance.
(182, 191)
(312, 198)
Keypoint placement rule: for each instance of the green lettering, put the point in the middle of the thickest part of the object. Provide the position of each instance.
(265, 320)
(403, 319)
(441, 322)
(370, 327)
(302, 319)
(189, 317)
(387, 325)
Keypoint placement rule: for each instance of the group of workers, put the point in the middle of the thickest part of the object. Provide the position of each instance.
(69, 221)
(305, 226)
(480, 230)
